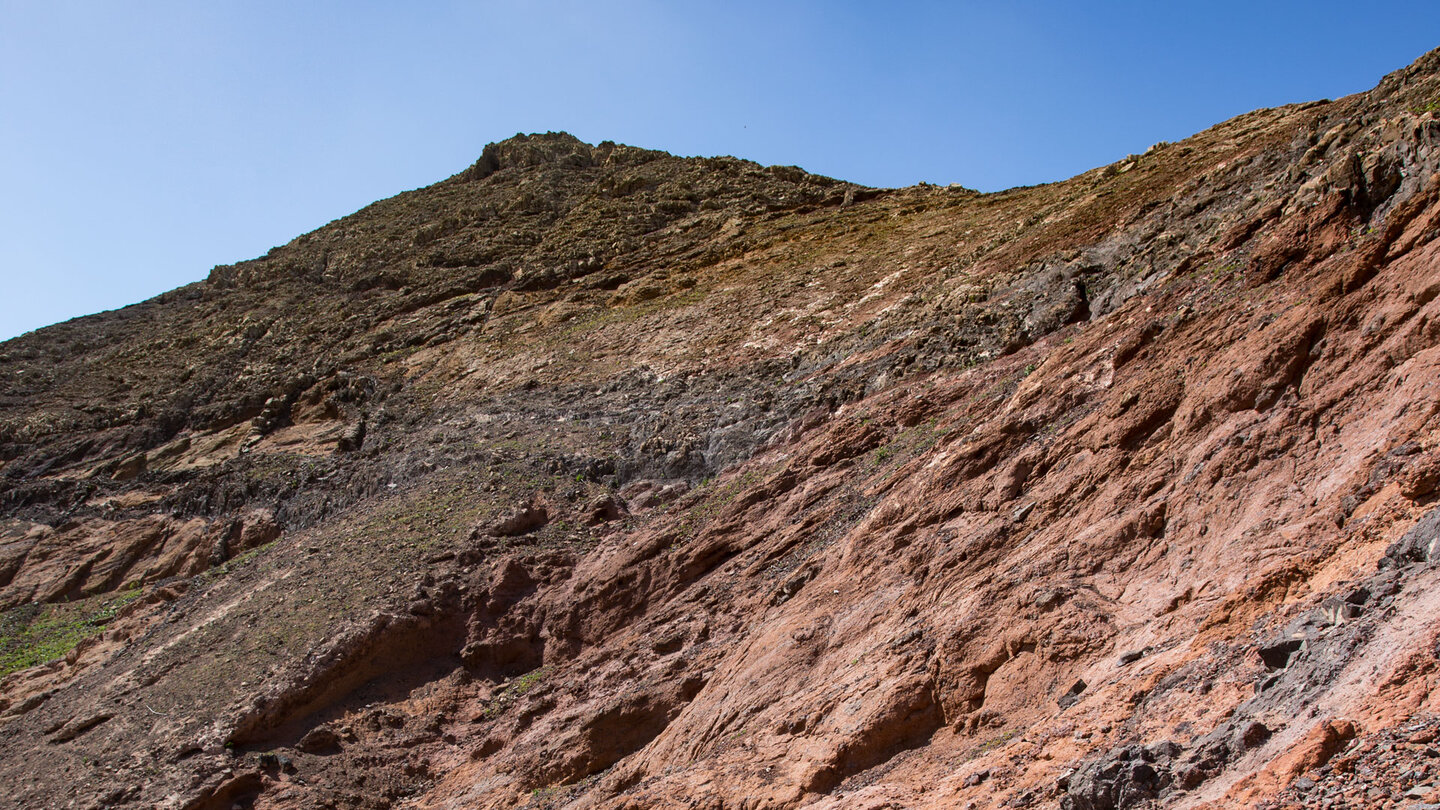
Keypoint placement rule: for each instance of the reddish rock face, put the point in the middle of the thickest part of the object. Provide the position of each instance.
(596, 477)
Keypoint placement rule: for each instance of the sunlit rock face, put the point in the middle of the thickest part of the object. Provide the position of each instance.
(597, 477)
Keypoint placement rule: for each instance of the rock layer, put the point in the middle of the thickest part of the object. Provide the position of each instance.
(597, 477)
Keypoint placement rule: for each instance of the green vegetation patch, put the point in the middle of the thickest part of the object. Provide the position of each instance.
(514, 690)
(37, 633)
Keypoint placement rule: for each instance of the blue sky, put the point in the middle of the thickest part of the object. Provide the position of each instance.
(141, 143)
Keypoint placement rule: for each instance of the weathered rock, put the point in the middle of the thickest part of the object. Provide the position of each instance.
(896, 468)
(320, 740)
(1277, 655)
(1419, 545)
(1072, 695)
(1128, 778)
(521, 520)
(604, 510)
(1421, 476)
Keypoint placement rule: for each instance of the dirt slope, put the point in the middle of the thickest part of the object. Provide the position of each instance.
(597, 477)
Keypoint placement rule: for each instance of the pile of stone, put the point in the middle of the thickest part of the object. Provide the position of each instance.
(1398, 767)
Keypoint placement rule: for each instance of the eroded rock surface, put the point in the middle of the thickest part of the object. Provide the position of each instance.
(597, 477)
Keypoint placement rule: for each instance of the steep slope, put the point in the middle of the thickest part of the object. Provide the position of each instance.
(597, 477)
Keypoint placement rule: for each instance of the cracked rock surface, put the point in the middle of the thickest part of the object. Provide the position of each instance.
(595, 477)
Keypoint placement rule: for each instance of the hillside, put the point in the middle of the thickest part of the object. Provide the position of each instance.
(597, 477)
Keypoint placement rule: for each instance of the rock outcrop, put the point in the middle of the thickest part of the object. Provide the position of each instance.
(598, 477)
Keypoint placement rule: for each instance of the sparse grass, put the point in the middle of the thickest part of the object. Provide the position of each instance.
(545, 795)
(992, 744)
(434, 513)
(235, 562)
(395, 355)
(556, 795)
(36, 634)
(1220, 272)
(723, 493)
(908, 444)
(1358, 235)
(514, 690)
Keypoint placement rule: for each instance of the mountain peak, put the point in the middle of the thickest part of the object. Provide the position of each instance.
(524, 151)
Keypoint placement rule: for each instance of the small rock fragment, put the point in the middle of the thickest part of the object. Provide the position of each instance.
(1073, 695)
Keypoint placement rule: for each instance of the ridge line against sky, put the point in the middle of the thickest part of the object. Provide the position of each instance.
(146, 142)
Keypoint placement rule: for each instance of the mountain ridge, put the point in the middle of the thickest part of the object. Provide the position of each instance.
(595, 477)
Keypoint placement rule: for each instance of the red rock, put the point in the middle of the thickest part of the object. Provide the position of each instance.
(902, 468)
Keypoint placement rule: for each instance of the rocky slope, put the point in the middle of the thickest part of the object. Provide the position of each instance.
(597, 477)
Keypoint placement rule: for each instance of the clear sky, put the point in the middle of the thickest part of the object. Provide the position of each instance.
(141, 143)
